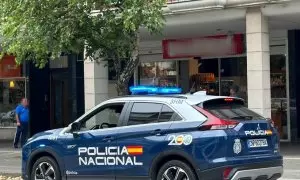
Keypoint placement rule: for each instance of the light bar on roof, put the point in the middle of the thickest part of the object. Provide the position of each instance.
(154, 90)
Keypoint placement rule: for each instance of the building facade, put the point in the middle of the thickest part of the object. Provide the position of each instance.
(207, 45)
(56, 93)
(214, 44)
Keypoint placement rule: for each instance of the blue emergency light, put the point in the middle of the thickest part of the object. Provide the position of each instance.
(154, 90)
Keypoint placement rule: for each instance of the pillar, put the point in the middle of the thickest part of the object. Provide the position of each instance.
(95, 83)
(258, 62)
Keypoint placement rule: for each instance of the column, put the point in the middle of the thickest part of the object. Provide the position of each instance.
(258, 62)
(95, 83)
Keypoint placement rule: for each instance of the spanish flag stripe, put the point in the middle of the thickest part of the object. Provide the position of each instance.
(135, 150)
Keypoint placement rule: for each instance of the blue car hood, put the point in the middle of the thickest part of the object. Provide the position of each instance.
(46, 134)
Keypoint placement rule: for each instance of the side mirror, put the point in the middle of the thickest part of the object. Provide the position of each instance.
(75, 127)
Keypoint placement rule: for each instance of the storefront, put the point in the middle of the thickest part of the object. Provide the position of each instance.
(12, 90)
(219, 70)
(159, 73)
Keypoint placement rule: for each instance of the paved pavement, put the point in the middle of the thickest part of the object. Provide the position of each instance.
(10, 161)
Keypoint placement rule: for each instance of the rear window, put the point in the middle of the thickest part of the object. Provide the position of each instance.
(230, 109)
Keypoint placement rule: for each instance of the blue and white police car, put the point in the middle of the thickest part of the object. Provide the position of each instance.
(166, 137)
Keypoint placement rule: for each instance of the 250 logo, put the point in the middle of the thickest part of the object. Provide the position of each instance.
(177, 140)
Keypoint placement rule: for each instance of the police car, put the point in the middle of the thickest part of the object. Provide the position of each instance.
(170, 136)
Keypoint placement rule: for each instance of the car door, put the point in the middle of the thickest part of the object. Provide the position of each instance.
(90, 153)
(143, 138)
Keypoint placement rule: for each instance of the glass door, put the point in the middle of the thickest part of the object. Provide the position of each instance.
(59, 102)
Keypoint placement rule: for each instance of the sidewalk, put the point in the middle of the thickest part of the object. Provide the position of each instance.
(10, 160)
(290, 149)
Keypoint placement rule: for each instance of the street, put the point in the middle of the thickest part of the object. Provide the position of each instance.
(291, 168)
(10, 163)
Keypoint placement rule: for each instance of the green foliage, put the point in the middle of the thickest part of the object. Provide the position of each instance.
(39, 30)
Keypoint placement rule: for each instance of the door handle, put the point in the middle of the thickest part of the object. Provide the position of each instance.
(157, 132)
(108, 139)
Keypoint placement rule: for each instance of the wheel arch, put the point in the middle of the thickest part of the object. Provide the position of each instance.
(42, 153)
(171, 155)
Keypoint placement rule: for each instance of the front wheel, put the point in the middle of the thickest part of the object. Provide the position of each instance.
(45, 168)
(176, 170)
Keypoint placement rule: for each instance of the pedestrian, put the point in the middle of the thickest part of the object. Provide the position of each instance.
(234, 91)
(22, 118)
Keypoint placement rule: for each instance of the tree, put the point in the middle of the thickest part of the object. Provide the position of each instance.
(40, 30)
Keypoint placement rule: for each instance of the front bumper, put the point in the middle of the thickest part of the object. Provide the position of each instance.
(270, 170)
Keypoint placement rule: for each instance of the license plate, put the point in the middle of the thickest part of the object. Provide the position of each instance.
(254, 143)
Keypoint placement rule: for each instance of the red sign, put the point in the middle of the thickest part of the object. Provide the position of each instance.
(211, 46)
(9, 68)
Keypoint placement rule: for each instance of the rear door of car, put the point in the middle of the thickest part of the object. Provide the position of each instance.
(143, 138)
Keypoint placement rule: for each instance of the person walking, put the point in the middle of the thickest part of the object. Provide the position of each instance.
(22, 118)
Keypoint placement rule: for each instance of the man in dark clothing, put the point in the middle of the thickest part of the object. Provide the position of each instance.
(22, 117)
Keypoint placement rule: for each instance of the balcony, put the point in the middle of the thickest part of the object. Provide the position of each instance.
(174, 6)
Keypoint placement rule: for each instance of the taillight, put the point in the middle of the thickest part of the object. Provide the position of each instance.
(226, 173)
(215, 123)
(221, 125)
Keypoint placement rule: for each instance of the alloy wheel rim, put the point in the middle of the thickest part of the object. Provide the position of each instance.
(44, 171)
(175, 173)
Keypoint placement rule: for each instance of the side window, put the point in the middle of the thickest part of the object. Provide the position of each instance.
(144, 113)
(106, 117)
(167, 114)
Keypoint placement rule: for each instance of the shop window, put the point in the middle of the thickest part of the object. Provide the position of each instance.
(278, 93)
(234, 77)
(158, 73)
(11, 93)
(207, 78)
(231, 72)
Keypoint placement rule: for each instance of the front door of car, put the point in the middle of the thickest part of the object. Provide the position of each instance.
(144, 137)
(90, 153)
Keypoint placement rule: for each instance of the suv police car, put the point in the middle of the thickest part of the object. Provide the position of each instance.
(169, 137)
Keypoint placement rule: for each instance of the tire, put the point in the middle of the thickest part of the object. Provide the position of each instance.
(44, 168)
(172, 167)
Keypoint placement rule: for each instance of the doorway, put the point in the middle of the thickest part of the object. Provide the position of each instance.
(59, 101)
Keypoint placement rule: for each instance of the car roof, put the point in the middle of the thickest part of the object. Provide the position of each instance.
(189, 98)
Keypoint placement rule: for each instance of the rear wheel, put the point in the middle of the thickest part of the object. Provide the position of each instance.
(176, 170)
(45, 168)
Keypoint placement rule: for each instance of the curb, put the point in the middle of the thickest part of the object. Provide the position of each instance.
(10, 174)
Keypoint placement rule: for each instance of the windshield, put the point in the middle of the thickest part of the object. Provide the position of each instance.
(228, 108)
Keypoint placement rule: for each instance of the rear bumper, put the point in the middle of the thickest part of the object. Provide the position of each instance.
(273, 169)
(271, 173)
